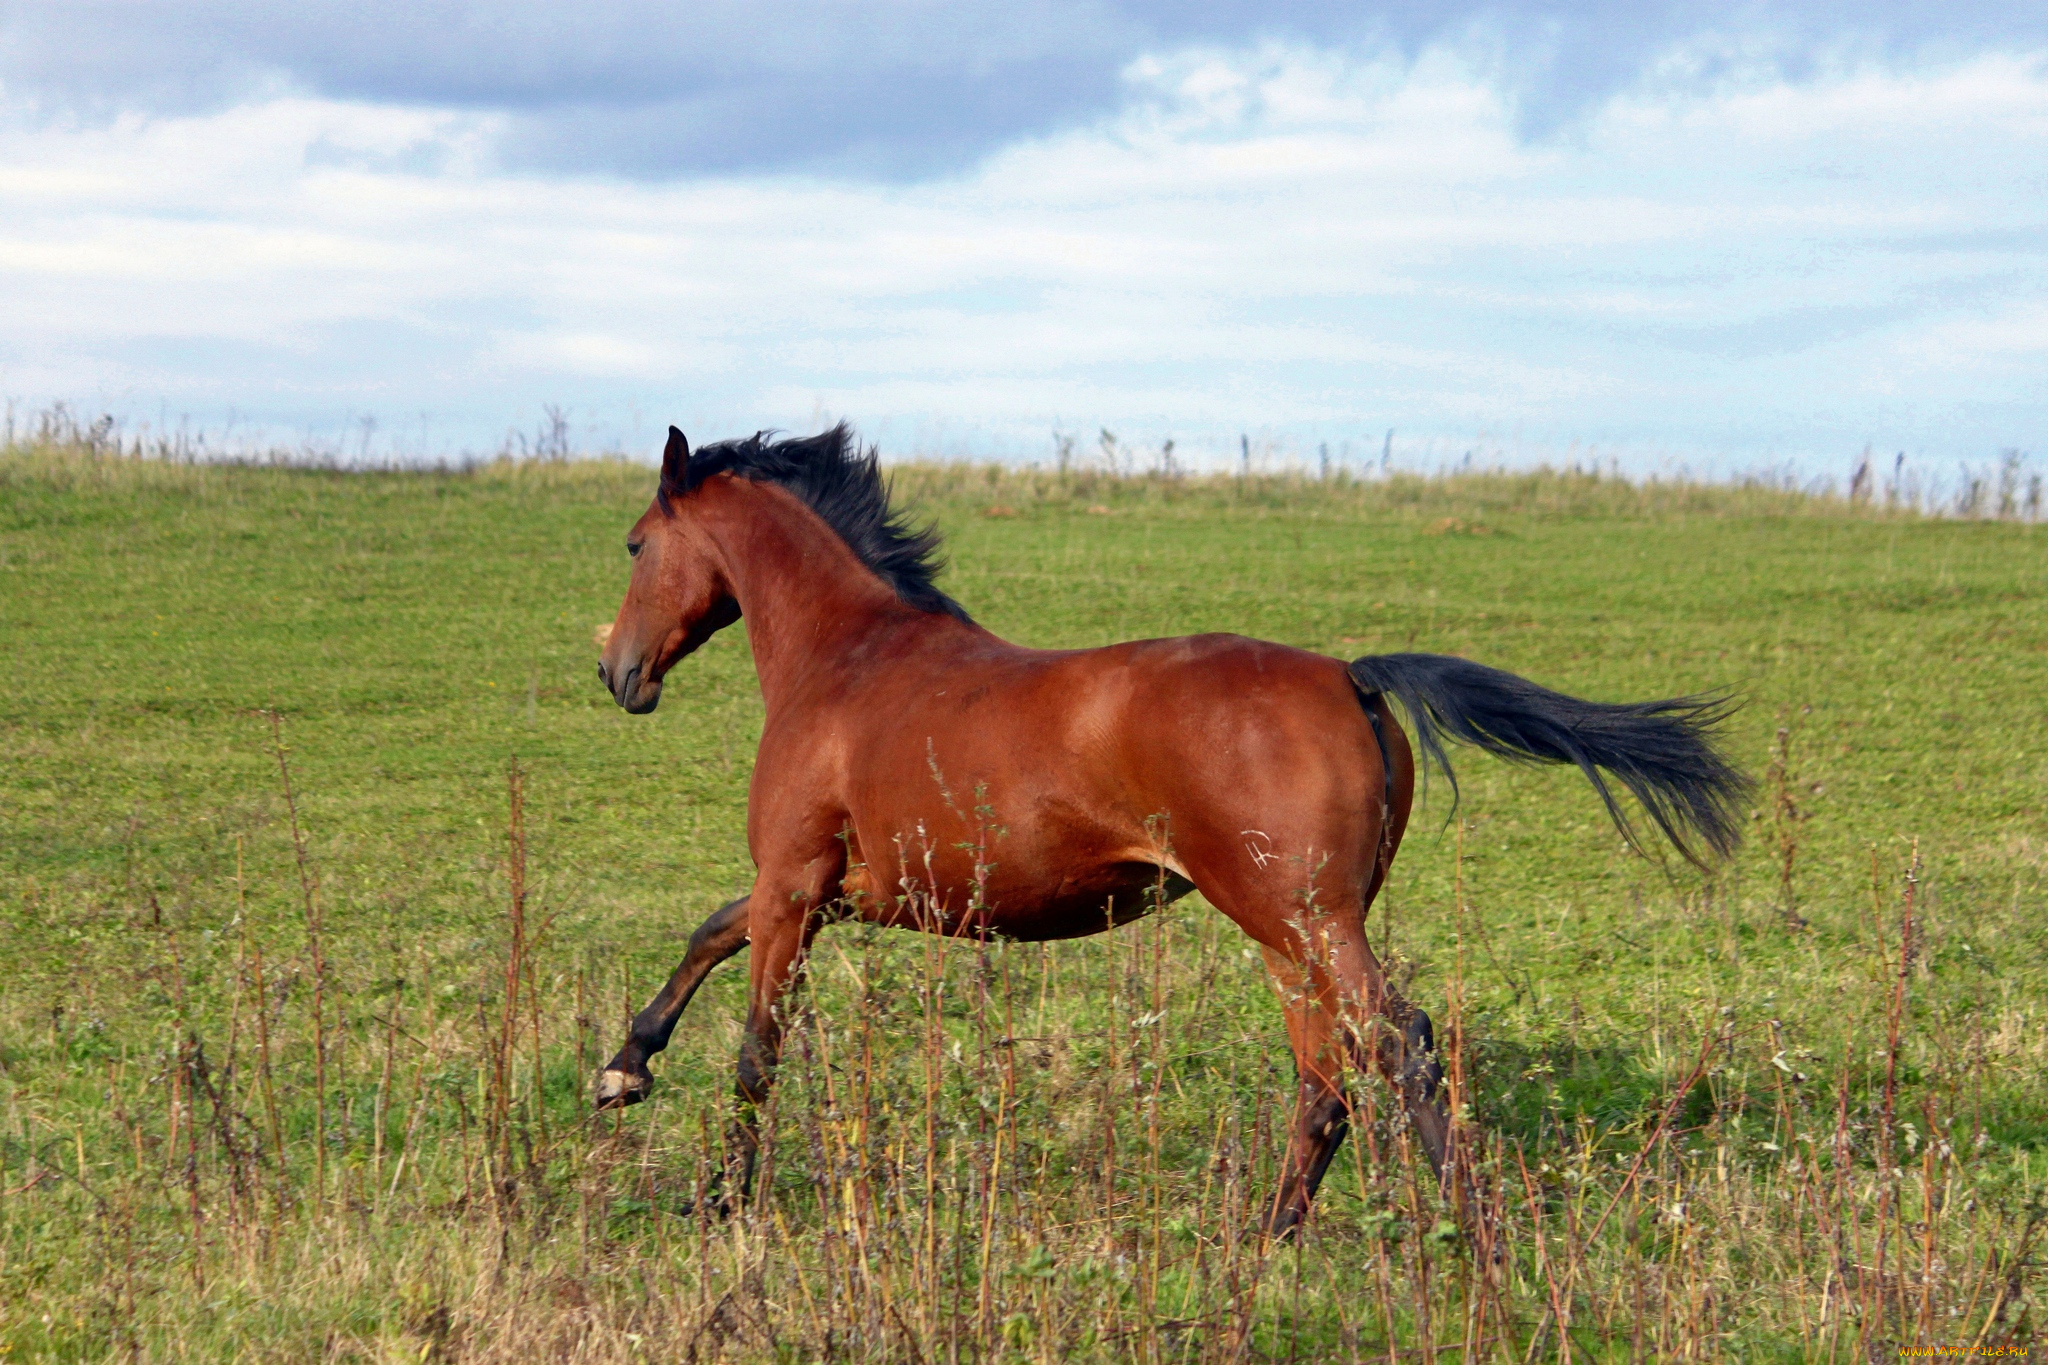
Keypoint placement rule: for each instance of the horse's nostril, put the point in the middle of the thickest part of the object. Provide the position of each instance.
(603, 676)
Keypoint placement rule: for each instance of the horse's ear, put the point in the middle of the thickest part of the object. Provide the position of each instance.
(675, 462)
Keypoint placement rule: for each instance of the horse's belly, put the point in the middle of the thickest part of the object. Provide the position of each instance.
(1075, 907)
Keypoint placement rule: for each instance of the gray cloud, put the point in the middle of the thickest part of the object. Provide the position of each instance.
(880, 90)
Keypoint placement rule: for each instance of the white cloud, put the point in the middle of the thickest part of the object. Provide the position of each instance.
(1280, 240)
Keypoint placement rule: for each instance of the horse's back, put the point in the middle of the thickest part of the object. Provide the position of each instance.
(1097, 756)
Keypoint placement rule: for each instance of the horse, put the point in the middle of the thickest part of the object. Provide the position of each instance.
(1276, 781)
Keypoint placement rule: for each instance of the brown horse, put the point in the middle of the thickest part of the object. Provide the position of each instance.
(898, 733)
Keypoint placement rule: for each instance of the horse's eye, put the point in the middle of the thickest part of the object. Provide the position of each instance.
(633, 547)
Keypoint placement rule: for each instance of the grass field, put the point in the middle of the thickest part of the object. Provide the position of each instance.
(276, 1098)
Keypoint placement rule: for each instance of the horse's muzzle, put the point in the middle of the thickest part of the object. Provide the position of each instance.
(632, 691)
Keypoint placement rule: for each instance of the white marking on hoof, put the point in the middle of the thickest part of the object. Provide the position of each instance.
(616, 1087)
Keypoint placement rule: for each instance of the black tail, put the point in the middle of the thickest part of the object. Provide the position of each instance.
(1661, 750)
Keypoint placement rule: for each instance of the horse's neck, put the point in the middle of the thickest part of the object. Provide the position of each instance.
(805, 596)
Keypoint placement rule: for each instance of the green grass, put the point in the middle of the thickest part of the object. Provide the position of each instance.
(1092, 1179)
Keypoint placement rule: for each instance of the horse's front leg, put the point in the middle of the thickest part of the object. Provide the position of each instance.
(783, 917)
(626, 1079)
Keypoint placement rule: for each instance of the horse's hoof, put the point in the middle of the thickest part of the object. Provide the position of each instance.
(616, 1089)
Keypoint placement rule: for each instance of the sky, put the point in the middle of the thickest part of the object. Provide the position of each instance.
(1711, 238)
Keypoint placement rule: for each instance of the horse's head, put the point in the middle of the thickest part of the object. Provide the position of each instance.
(678, 597)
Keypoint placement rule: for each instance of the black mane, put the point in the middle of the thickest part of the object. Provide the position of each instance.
(843, 484)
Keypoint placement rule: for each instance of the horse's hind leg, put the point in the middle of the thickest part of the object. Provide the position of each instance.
(1403, 1040)
(1322, 1109)
(1402, 1048)
(625, 1079)
(1332, 990)
(1335, 997)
